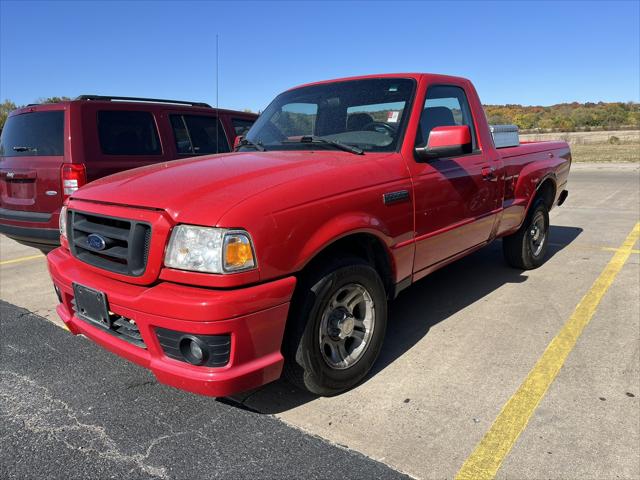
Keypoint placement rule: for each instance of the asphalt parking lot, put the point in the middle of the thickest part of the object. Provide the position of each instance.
(466, 384)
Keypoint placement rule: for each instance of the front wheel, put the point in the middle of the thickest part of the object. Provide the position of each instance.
(527, 248)
(337, 326)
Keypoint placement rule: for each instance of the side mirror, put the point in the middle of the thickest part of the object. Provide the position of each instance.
(237, 141)
(446, 142)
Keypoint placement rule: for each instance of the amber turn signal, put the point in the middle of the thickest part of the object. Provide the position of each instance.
(238, 252)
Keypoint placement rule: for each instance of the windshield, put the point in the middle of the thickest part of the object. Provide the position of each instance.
(33, 134)
(368, 114)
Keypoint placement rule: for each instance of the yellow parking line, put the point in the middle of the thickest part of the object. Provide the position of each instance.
(485, 460)
(611, 249)
(21, 259)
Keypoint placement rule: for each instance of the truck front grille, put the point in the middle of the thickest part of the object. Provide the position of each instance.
(115, 244)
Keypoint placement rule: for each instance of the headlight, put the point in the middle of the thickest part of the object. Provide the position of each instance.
(62, 222)
(211, 250)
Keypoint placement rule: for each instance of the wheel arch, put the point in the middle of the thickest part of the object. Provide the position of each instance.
(367, 244)
(546, 189)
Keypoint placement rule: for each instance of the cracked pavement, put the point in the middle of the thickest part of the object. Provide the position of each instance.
(71, 410)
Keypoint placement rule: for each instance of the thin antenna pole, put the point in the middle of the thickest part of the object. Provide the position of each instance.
(217, 99)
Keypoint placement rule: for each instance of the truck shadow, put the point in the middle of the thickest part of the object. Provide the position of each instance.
(417, 309)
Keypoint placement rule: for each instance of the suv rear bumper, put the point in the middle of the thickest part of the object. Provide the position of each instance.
(35, 229)
(44, 238)
(253, 317)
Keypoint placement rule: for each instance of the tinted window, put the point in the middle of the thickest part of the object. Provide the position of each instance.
(241, 125)
(198, 135)
(369, 114)
(33, 134)
(444, 106)
(128, 133)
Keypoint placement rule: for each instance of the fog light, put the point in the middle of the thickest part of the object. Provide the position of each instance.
(193, 350)
(196, 351)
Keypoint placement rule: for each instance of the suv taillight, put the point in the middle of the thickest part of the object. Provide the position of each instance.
(74, 176)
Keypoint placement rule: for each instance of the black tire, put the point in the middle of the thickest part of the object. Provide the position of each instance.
(520, 251)
(305, 364)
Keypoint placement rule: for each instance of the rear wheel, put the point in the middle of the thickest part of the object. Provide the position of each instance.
(336, 327)
(527, 248)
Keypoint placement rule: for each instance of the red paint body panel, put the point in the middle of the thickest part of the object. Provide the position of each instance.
(295, 204)
(448, 136)
(82, 147)
(254, 316)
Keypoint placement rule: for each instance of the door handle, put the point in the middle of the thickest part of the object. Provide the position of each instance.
(489, 174)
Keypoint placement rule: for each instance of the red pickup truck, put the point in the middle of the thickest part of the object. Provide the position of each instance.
(219, 273)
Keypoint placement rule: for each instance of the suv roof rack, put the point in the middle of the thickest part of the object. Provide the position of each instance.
(142, 99)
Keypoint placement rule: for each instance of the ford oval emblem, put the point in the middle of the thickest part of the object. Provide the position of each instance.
(97, 242)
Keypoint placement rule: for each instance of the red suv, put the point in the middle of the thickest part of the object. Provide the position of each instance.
(48, 151)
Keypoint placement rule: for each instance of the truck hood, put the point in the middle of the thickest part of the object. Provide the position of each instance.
(200, 190)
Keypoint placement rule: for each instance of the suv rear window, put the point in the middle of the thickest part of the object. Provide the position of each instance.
(33, 134)
(128, 133)
(198, 134)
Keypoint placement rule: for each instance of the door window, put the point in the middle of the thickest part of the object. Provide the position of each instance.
(128, 133)
(198, 135)
(444, 106)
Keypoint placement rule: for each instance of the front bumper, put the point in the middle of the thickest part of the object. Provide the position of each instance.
(254, 317)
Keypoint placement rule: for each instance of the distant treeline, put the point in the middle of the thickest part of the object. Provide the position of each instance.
(567, 117)
(564, 117)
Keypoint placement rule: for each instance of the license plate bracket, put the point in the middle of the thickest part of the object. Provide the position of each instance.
(92, 305)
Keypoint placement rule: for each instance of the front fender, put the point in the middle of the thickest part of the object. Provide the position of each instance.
(340, 227)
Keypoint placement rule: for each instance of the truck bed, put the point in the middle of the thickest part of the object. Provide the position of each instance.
(530, 147)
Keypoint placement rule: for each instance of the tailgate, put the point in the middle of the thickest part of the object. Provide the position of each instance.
(31, 158)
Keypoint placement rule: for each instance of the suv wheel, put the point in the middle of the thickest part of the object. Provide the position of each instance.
(527, 248)
(336, 327)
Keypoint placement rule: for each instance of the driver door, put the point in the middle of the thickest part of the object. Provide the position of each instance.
(455, 199)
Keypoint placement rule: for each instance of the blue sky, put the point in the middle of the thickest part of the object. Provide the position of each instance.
(537, 53)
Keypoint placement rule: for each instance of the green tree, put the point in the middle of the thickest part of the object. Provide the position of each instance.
(5, 108)
(567, 116)
(53, 99)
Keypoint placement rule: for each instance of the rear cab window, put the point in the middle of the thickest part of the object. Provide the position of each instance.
(33, 134)
(378, 117)
(198, 134)
(128, 133)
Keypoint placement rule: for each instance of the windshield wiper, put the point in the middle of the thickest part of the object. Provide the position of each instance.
(339, 145)
(248, 143)
(25, 149)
